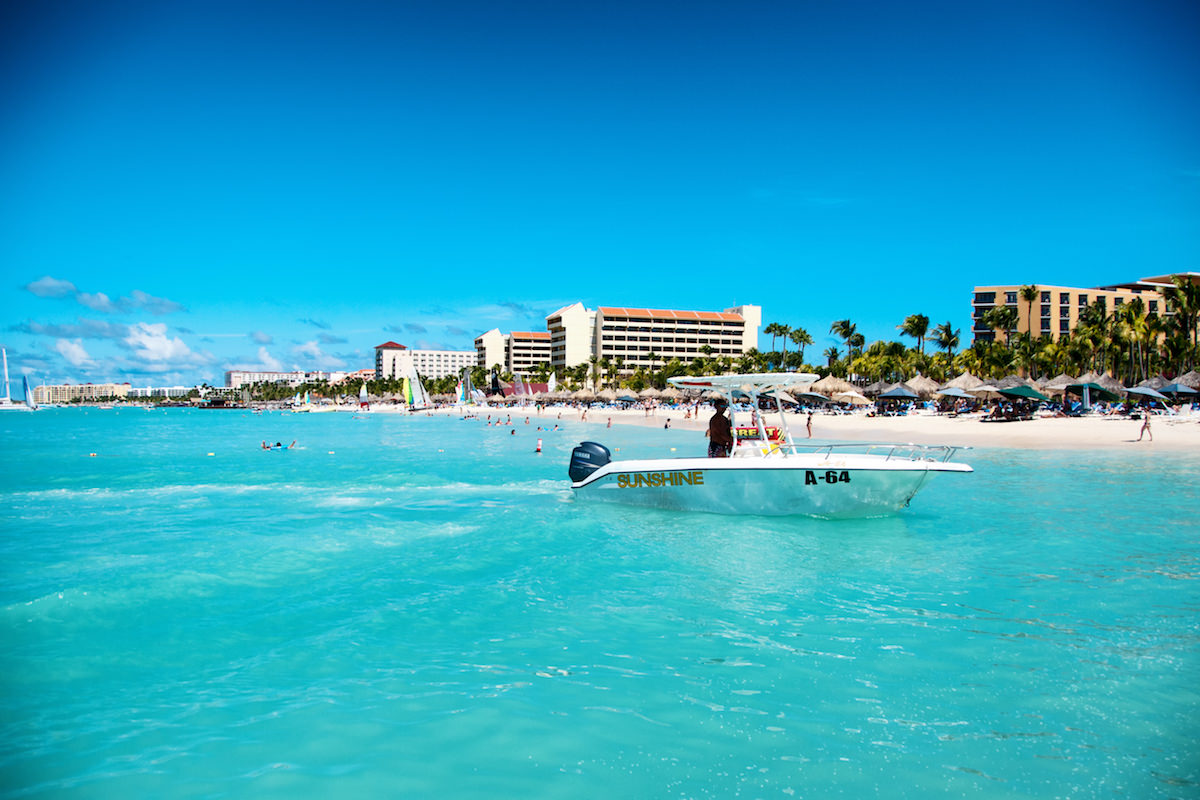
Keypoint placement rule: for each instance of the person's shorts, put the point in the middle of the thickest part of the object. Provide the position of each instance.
(718, 450)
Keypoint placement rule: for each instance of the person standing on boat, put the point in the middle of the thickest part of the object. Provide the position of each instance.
(720, 434)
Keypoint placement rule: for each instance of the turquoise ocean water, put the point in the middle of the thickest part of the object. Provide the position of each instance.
(416, 607)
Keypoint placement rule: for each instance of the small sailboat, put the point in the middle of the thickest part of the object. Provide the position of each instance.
(363, 404)
(6, 402)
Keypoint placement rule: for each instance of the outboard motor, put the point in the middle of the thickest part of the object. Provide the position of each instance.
(586, 459)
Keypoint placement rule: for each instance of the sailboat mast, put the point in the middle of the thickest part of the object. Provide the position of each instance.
(7, 396)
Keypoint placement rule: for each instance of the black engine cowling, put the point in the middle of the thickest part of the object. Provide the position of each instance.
(586, 459)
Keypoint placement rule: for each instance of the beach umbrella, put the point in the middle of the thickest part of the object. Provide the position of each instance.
(852, 397)
(965, 381)
(1111, 384)
(954, 391)
(1156, 383)
(923, 386)
(1191, 379)
(1092, 391)
(1027, 392)
(1177, 389)
(583, 394)
(829, 385)
(986, 391)
(899, 392)
(649, 391)
(627, 398)
(1057, 385)
(1146, 391)
(812, 397)
(607, 394)
(875, 388)
(671, 393)
(1014, 380)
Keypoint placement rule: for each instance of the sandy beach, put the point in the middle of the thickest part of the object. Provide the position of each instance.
(1079, 433)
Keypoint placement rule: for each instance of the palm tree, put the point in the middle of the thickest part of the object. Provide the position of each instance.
(831, 355)
(845, 329)
(1029, 294)
(1184, 297)
(801, 339)
(916, 326)
(785, 331)
(775, 329)
(946, 337)
(1001, 318)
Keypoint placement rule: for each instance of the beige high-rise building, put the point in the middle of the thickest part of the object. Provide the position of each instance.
(1056, 309)
(518, 352)
(84, 392)
(649, 337)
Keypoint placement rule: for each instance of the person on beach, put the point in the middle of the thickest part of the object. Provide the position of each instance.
(808, 424)
(1145, 427)
(720, 434)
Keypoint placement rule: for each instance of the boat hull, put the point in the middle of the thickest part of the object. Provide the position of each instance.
(810, 486)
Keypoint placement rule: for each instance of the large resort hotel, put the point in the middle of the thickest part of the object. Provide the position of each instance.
(628, 338)
(1056, 309)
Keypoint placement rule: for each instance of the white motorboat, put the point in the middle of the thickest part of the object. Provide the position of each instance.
(767, 473)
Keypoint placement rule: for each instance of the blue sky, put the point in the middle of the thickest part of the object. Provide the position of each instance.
(191, 187)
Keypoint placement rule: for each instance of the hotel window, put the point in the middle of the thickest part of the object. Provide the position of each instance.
(1010, 298)
(1064, 312)
(1045, 310)
(1153, 306)
(1120, 301)
(1064, 297)
(1083, 301)
(1064, 325)
(1045, 297)
(985, 298)
(1045, 324)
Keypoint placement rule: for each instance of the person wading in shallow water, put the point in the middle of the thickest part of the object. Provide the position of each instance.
(720, 435)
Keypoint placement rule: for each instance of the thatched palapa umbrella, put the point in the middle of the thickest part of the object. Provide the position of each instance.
(1191, 379)
(965, 381)
(829, 385)
(1059, 385)
(924, 387)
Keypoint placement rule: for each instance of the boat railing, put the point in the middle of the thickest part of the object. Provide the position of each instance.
(891, 451)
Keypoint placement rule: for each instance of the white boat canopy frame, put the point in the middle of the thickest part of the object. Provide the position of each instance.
(753, 385)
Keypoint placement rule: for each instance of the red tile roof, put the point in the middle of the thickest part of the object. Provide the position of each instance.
(533, 334)
(390, 346)
(658, 313)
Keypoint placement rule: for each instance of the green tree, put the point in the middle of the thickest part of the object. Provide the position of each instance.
(1029, 294)
(916, 326)
(801, 339)
(946, 337)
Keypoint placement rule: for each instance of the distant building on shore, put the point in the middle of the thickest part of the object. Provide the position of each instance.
(394, 361)
(649, 337)
(236, 379)
(80, 392)
(518, 352)
(1056, 309)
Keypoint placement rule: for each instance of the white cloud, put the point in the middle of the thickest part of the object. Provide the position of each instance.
(73, 352)
(269, 362)
(97, 302)
(317, 357)
(262, 338)
(150, 343)
(51, 287)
